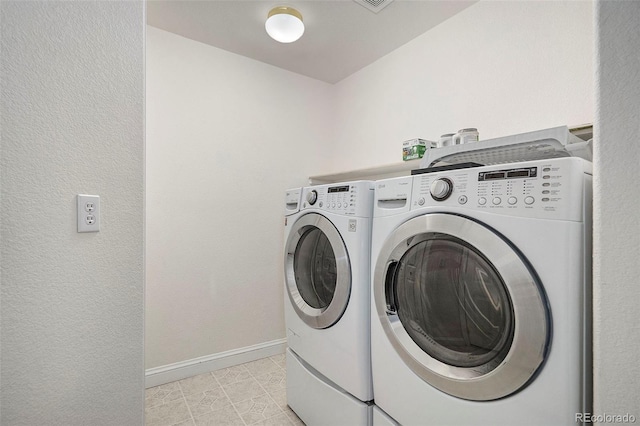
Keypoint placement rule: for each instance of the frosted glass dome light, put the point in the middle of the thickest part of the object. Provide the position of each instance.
(284, 24)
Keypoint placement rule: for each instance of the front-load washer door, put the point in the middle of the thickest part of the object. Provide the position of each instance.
(461, 307)
(317, 271)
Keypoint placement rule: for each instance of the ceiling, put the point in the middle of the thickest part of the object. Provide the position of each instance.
(341, 36)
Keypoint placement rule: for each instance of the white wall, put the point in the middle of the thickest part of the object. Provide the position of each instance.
(226, 135)
(72, 122)
(502, 67)
(616, 207)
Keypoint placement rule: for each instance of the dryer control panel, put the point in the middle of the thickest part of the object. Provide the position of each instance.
(550, 188)
(347, 198)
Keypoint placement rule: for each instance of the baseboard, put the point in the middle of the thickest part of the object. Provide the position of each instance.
(181, 370)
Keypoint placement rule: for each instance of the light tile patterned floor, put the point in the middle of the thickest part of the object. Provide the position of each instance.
(249, 394)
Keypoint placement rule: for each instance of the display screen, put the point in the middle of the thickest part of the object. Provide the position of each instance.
(518, 173)
(526, 172)
(494, 175)
(344, 188)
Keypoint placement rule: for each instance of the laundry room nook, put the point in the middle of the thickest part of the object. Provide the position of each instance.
(400, 213)
(256, 130)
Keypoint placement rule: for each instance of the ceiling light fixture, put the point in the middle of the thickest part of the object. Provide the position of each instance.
(284, 24)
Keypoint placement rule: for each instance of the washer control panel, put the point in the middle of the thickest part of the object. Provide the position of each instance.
(349, 198)
(544, 188)
(441, 189)
(312, 197)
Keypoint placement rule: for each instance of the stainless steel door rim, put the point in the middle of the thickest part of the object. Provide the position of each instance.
(318, 317)
(531, 321)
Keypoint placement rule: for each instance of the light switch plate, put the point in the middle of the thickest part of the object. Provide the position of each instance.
(88, 213)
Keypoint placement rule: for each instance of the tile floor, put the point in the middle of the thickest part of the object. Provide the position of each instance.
(248, 394)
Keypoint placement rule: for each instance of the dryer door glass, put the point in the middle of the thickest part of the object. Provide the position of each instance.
(317, 271)
(314, 265)
(453, 303)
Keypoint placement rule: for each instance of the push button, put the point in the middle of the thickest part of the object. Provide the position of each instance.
(529, 200)
(462, 199)
(512, 200)
(482, 201)
(496, 200)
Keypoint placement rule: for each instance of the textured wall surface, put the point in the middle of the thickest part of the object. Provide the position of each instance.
(72, 122)
(226, 135)
(616, 207)
(502, 67)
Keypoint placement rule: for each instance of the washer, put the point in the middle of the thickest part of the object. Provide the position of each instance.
(327, 303)
(481, 295)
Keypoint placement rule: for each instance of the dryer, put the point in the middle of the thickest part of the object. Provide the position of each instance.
(481, 295)
(327, 303)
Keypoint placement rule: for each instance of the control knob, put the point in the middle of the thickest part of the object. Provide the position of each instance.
(312, 197)
(441, 189)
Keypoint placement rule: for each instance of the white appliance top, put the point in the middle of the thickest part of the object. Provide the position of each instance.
(545, 189)
(346, 198)
(556, 142)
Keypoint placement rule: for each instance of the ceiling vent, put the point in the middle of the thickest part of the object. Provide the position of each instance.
(374, 5)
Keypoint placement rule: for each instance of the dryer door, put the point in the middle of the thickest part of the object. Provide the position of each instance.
(461, 307)
(317, 271)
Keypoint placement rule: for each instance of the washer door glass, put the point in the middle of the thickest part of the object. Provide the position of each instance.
(461, 306)
(317, 271)
(453, 303)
